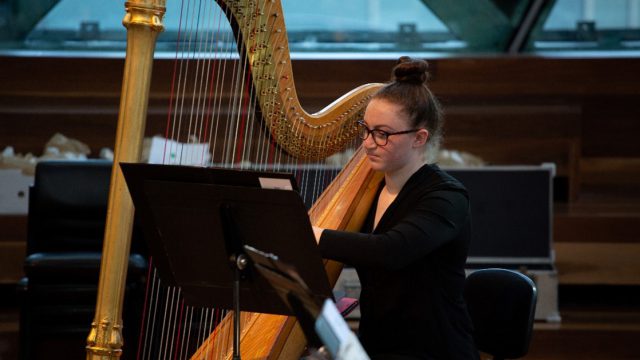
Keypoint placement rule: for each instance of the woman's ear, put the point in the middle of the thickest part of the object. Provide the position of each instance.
(421, 138)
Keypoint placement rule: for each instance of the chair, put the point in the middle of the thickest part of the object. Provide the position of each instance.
(67, 213)
(502, 306)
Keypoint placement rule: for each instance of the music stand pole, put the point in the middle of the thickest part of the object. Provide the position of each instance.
(240, 263)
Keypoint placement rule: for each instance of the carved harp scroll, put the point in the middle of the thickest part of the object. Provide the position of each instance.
(262, 42)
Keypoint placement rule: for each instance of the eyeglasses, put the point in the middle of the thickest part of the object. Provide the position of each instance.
(380, 137)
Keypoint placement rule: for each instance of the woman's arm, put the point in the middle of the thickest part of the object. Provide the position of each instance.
(435, 220)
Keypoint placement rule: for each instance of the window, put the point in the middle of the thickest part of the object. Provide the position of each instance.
(342, 28)
(589, 25)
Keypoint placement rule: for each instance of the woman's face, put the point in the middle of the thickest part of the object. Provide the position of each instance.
(401, 149)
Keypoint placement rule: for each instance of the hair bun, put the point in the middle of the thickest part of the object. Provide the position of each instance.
(409, 70)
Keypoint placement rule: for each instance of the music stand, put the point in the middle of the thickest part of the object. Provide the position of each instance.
(197, 221)
(321, 322)
(291, 288)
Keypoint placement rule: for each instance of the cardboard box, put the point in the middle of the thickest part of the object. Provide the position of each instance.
(14, 192)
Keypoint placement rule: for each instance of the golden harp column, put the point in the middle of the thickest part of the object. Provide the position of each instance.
(143, 22)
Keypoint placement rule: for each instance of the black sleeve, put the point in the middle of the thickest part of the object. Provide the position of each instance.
(436, 218)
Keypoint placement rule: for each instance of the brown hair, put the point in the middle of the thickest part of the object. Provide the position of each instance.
(408, 88)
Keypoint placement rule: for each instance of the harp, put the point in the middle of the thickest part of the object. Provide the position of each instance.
(259, 28)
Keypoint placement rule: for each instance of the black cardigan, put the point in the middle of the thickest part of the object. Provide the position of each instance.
(411, 268)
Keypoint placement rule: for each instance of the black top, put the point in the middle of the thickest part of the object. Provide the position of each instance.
(411, 268)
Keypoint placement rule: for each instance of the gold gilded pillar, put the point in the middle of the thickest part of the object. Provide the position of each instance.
(143, 22)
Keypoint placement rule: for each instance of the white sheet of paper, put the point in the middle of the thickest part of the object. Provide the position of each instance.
(274, 183)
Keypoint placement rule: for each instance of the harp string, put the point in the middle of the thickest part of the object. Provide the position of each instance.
(200, 83)
(245, 109)
(172, 91)
(174, 322)
(235, 107)
(188, 325)
(204, 316)
(215, 88)
(184, 331)
(195, 127)
(267, 149)
(277, 160)
(240, 125)
(176, 122)
(219, 90)
(243, 101)
(242, 111)
(166, 320)
(163, 327)
(179, 335)
(144, 321)
(207, 324)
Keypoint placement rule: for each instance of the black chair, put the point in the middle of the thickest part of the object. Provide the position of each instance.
(502, 307)
(67, 213)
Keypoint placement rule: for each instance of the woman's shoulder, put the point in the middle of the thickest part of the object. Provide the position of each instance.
(438, 191)
(432, 178)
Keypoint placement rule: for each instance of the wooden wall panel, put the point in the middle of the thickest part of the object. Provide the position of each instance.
(580, 113)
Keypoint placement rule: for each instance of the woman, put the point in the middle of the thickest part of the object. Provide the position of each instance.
(411, 251)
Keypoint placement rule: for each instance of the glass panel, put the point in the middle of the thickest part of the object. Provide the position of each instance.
(589, 25)
(342, 27)
(80, 25)
(321, 27)
(365, 26)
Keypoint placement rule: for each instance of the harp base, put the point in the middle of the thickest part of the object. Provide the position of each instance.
(100, 353)
(104, 341)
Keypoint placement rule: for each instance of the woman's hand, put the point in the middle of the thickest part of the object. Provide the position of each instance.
(317, 231)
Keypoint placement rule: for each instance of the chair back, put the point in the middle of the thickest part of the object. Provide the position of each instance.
(502, 306)
(68, 206)
(66, 221)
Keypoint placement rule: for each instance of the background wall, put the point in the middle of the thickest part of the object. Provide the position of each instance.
(581, 114)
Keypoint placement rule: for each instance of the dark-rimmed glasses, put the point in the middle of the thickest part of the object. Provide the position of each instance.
(380, 137)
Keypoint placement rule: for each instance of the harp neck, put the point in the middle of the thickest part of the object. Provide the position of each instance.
(262, 40)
